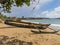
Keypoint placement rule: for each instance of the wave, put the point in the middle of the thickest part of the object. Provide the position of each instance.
(34, 22)
(55, 27)
(30, 21)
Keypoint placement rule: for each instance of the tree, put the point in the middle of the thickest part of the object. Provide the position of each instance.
(6, 5)
(3, 17)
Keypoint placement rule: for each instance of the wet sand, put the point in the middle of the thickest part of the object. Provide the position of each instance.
(46, 37)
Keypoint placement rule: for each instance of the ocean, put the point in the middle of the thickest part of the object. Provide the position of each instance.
(48, 21)
(54, 23)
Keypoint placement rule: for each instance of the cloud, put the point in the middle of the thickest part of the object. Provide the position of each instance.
(52, 14)
(39, 3)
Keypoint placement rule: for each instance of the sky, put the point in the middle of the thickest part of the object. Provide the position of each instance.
(43, 8)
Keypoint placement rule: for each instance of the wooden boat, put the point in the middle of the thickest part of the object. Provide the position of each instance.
(27, 24)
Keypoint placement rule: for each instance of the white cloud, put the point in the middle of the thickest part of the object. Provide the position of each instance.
(52, 14)
(39, 3)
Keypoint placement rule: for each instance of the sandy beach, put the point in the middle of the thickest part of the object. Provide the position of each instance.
(25, 34)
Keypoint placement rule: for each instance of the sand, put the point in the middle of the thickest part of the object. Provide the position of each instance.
(25, 34)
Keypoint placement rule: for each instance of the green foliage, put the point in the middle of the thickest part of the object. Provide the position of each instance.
(7, 4)
(1, 15)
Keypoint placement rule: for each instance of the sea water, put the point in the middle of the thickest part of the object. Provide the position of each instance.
(48, 21)
(55, 23)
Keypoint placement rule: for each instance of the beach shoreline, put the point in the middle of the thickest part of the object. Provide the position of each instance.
(25, 34)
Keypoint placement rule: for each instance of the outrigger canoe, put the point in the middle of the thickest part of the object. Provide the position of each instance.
(26, 24)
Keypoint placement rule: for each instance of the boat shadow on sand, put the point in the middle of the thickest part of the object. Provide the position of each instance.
(7, 27)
